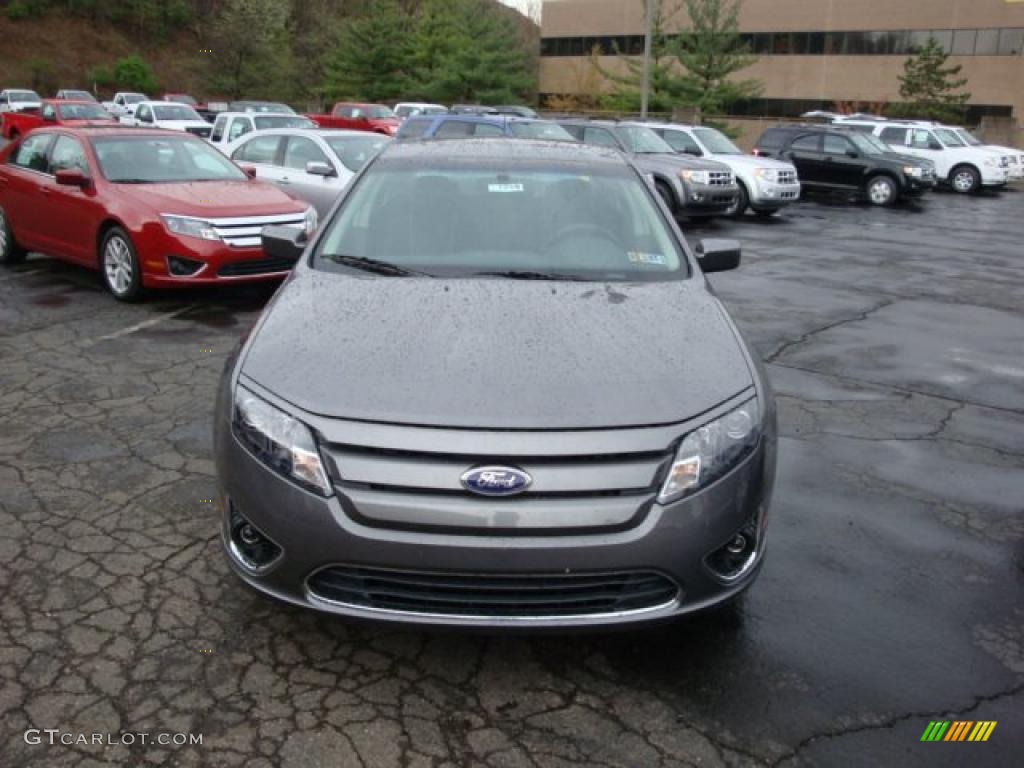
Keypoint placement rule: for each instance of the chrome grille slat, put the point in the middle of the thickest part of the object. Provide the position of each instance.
(244, 232)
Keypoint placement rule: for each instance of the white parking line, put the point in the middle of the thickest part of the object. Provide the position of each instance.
(144, 324)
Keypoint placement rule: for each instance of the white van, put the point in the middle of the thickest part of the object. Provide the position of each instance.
(964, 168)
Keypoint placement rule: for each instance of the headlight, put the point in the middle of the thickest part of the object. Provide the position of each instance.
(183, 225)
(279, 441)
(309, 221)
(767, 174)
(912, 170)
(710, 451)
(697, 177)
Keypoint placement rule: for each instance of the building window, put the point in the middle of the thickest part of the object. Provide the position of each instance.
(1011, 42)
(815, 42)
(944, 37)
(987, 43)
(835, 43)
(963, 42)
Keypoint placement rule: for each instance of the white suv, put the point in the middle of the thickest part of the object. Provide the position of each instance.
(765, 185)
(963, 167)
(1016, 156)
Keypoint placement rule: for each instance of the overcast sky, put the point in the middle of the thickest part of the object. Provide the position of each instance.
(523, 5)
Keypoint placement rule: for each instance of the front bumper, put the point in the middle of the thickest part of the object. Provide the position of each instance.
(766, 195)
(993, 177)
(707, 199)
(316, 533)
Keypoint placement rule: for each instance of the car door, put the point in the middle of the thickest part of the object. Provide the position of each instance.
(261, 151)
(21, 195)
(75, 208)
(842, 164)
(804, 152)
(319, 190)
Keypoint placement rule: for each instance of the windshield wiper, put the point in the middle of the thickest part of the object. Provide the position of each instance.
(133, 181)
(375, 266)
(525, 274)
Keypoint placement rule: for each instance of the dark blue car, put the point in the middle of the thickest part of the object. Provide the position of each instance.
(469, 126)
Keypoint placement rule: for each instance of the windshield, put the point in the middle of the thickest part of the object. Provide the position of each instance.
(969, 137)
(716, 142)
(133, 98)
(23, 96)
(355, 151)
(262, 106)
(379, 113)
(948, 137)
(538, 130)
(79, 95)
(156, 159)
(282, 121)
(181, 98)
(176, 112)
(459, 218)
(83, 112)
(643, 140)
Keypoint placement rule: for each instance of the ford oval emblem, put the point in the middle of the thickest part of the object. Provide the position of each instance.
(496, 481)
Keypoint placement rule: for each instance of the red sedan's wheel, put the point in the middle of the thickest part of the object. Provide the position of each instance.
(10, 253)
(120, 265)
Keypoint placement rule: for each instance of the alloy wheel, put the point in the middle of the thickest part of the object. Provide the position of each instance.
(117, 263)
(3, 234)
(963, 181)
(880, 192)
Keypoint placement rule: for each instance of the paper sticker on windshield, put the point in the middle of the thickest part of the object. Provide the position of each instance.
(504, 187)
(646, 258)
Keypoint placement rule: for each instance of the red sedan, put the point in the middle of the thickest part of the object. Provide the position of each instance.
(148, 208)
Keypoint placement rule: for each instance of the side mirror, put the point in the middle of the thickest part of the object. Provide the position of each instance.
(72, 177)
(852, 153)
(718, 255)
(50, 117)
(286, 243)
(319, 168)
(934, 145)
(362, 118)
(694, 151)
(249, 170)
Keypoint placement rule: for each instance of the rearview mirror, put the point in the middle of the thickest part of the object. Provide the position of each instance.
(72, 177)
(281, 242)
(319, 168)
(718, 254)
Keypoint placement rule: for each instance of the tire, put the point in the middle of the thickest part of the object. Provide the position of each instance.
(666, 194)
(766, 213)
(742, 201)
(881, 191)
(964, 179)
(10, 252)
(119, 265)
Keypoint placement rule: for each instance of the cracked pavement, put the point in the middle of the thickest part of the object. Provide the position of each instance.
(891, 595)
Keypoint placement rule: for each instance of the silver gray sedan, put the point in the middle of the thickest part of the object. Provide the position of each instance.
(309, 164)
(496, 390)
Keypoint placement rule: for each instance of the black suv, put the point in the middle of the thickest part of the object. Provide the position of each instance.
(842, 160)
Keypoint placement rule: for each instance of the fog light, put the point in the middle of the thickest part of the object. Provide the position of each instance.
(738, 555)
(736, 546)
(182, 267)
(249, 545)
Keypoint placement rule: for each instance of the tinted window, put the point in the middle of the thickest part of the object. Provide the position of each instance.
(300, 150)
(681, 141)
(807, 143)
(258, 149)
(67, 153)
(893, 135)
(32, 152)
(835, 145)
(459, 218)
(772, 138)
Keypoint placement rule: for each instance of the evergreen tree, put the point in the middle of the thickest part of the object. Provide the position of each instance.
(250, 48)
(371, 58)
(711, 51)
(930, 88)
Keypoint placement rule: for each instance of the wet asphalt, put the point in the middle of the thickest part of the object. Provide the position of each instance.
(891, 595)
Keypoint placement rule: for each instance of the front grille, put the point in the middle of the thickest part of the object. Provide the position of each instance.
(787, 177)
(720, 178)
(256, 267)
(491, 595)
(244, 231)
(1005, 161)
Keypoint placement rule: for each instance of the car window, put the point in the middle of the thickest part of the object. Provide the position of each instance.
(32, 153)
(299, 150)
(176, 112)
(601, 137)
(403, 110)
(239, 128)
(281, 121)
(413, 128)
(80, 111)
(486, 129)
(716, 141)
(576, 131)
(355, 151)
(343, 111)
(67, 154)
(836, 145)
(48, 112)
(154, 159)
(681, 141)
(807, 143)
(454, 129)
(142, 113)
(892, 134)
(772, 138)
(461, 218)
(921, 139)
(258, 149)
(356, 112)
(218, 129)
(540, 130)
(949, 138)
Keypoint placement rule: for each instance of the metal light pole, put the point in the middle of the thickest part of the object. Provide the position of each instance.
(645, 86)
